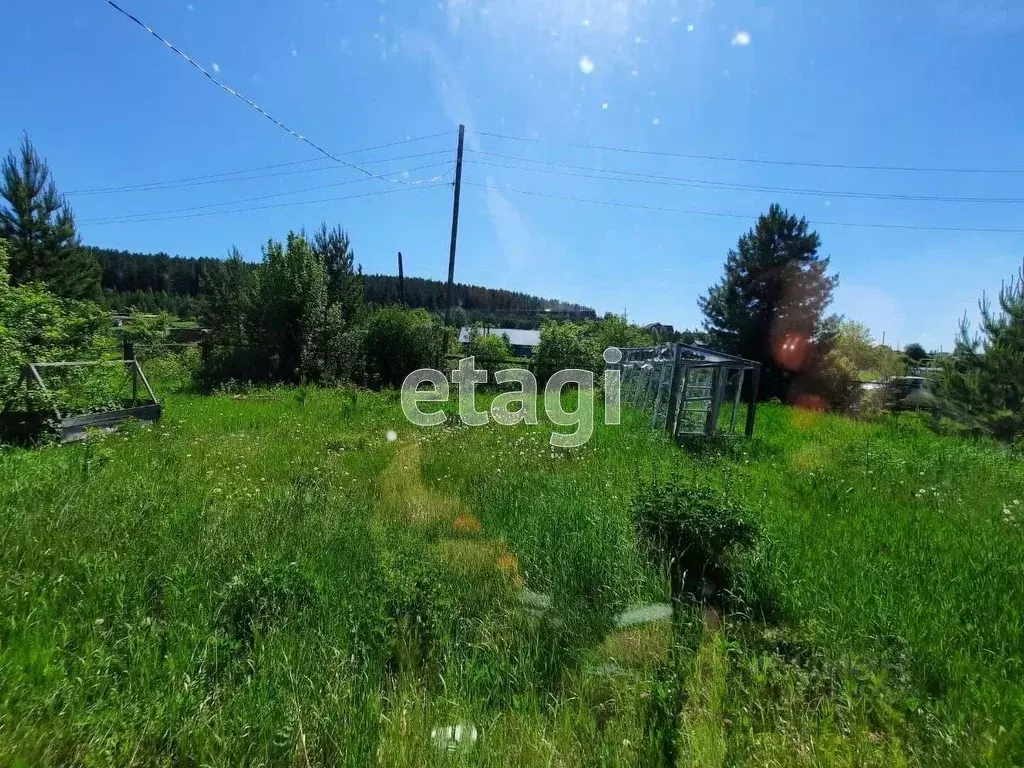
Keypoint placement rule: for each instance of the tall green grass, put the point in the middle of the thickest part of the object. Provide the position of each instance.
(251, 581)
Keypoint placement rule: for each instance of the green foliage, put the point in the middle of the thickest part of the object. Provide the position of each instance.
(615, 331)
(915, 352)
(277, 322)
(562, 346)
(39, 226)
(490, 350)
(984, 377)
(160, 282)
(146, 584)
(290, 303)
(227, 291)
(397, 341)
(144, 328)
(695, 530)
(36, 326)
(260, 596)
(839, 381)
(345, 286)
(775, 283)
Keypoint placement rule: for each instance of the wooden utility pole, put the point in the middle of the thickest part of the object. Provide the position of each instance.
(401, 280)
(455, 228)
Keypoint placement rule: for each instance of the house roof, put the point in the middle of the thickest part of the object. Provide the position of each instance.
(517, 337)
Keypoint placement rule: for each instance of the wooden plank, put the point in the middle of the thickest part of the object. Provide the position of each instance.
(149, 412)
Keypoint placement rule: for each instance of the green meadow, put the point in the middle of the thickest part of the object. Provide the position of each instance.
(270, 578)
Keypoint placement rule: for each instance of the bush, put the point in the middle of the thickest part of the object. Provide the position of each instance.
(839, 380)
(397, 341)
(562, 346)
(697, 532)
(37, 326)
(260, 597)
(490, 351)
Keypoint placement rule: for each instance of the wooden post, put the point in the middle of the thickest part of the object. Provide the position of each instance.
(135, 381)
(129, 350)
(401, 280)
(455, 227)
(755, 381)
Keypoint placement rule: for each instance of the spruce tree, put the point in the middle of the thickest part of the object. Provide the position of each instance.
(39, 226)
(775, 284)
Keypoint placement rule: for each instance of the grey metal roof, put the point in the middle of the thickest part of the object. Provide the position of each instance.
(517, 337)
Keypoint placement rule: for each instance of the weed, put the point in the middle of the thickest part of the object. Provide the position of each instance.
(696, 530)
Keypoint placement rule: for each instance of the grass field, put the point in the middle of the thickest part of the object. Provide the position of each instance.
(267, 579)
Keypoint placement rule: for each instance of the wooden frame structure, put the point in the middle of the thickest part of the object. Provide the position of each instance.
(74, 427)
(690, 390)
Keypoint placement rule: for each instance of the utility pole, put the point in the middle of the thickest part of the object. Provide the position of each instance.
(401, 280)
(455, 228)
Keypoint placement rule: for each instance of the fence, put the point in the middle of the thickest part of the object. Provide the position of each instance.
(690, 390)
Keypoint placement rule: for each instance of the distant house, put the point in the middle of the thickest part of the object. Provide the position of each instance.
(522, 341)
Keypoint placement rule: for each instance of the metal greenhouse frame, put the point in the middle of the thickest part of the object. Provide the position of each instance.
(690, 390)
(74, 427)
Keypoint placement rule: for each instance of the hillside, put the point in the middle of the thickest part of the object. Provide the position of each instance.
(160, 282)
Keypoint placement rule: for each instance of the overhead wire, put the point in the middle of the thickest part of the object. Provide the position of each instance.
(373, 193)
(756, 160)
(647, 178)
(134, 216)
(723, 214)
(253, 104)
(218, 177)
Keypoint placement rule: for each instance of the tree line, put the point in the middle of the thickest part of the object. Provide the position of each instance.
(160, 282)
(306, 312)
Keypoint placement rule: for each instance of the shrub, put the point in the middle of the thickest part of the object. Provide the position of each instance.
(565, 345)
(35, 326)
(260, 597)
(490, 351)
(397, 341)
(696, 531)
(839, 380)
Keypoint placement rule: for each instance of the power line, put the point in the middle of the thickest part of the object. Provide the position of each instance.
(646, 178)
(132, 216)
(217, 177)
(761, 161)
(249, 102)
(722, 214)
(375, 193)
(157, 187)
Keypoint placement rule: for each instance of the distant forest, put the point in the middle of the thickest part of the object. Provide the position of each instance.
(162, 283)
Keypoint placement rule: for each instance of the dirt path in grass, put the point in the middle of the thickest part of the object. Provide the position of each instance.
(461, 542)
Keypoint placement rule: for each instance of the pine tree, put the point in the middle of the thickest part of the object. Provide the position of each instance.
(775, 284)
(226, 287)
(40, 229)
(984, 377)
(344, 279)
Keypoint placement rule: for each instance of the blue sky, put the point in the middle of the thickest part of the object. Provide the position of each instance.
(923, 84)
